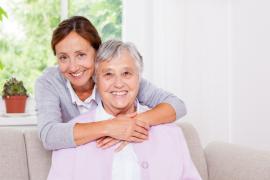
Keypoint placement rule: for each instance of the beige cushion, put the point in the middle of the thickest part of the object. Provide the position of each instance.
(13, 162)
(195, 148)
(39, 159)
(233, 162)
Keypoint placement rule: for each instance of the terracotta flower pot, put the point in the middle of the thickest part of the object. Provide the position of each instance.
(15, 104)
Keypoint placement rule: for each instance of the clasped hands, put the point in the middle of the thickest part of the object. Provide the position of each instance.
(124, 129)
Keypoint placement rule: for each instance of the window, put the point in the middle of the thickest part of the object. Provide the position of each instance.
(106, 15)
(25, 35)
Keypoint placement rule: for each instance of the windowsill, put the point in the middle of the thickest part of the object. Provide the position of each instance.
(26, 119)
(29, 120)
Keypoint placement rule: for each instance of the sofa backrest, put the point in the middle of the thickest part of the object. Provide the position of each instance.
(39, 159)
(13, 161)
(195, 148)
(23, 157)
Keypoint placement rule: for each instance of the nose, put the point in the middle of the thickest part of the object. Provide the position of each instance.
(118, 82)
(73, 66)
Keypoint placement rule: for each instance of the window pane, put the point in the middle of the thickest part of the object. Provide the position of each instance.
(25, 35)
(106, 15)
(25, 39)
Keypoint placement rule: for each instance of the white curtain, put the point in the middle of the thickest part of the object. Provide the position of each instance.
(214, 54)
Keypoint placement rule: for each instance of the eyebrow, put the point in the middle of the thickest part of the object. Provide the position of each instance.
(79, 51)
(125, 69)
(106, 70)
(61, 53)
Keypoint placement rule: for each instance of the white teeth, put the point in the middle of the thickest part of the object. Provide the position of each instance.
(119, 93)
(76, 74)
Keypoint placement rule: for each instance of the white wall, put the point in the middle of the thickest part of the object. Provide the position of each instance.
(206, 80)
(251, 72)
(213, 54)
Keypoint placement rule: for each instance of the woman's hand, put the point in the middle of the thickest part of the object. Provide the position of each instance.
(126, 134)
(128, 128)
(106, 142)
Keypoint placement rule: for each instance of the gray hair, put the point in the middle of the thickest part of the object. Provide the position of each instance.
(113, 48)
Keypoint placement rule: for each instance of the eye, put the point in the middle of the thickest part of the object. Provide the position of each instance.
(63, 59)
(108, 75)
(81, 56)
(127, 74)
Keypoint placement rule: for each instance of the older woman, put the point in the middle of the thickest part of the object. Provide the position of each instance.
(163, 156)
(68, 90)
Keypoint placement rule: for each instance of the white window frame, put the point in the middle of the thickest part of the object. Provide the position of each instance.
(64, 9)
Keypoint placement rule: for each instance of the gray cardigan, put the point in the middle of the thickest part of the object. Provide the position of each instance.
(55, 108)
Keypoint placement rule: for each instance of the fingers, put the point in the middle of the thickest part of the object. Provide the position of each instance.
(106, 142)
(110, 143)
(138, 136)
(139, 130)
(123, 128)
(121, 146)
(98, 141)
(143, 124)
(103, 141)
(136, 140)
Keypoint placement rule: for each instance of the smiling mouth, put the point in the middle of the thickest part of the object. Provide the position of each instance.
(119, 93)
(76, 75)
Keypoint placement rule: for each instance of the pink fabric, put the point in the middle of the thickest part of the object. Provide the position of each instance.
(164, 156)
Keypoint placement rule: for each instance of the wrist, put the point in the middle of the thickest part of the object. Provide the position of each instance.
(144, 118)
(107, 124)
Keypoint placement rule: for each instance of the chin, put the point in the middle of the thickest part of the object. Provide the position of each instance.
(79, 82)
(120, 106)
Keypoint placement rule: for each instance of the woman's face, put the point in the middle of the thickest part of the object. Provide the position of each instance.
(118, 83)
(75, 58)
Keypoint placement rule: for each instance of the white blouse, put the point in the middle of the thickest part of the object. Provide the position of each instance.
(125, 162)
(84, 106)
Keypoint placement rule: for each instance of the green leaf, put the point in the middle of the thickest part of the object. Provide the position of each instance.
(2, 13)
(1, 65)
(13, 87)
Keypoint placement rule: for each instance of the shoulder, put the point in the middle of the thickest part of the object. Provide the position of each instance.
(170, 130)
(89, 116)
(141, 108)
(144, 83)
(51, 75)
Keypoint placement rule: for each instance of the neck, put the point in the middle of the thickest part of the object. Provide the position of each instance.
(116, 112)
(83, 92)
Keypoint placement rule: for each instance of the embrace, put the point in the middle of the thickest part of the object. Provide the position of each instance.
(102, 119)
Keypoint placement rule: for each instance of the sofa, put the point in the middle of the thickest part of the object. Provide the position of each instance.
(22, 157)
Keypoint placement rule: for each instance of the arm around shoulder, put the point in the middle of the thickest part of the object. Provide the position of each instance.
(152, 96)
(53, 133)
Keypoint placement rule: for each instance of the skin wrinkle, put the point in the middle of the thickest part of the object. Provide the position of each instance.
(119, 83)
(69, 47)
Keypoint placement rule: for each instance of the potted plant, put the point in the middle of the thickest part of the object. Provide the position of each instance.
(15, 95)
